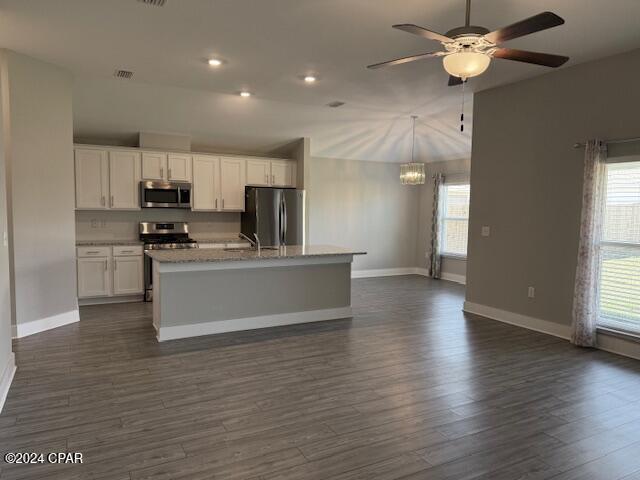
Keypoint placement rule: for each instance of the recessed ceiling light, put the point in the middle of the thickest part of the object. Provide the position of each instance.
(245, 94)
(310, 79)
(214, 62)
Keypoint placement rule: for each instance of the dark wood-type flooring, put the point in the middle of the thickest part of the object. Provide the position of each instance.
(409, 388)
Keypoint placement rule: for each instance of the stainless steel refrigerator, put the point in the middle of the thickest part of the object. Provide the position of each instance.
(275, 215)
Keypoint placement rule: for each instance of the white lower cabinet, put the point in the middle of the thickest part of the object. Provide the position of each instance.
(93, 277)
(110, 271)
(127, 276)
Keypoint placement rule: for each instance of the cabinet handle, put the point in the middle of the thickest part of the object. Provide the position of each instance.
(161, 172)
(273, 179)
(112, 200)
(115, 265)
(223, 203)
(106, 267)
(102, 201)
(168, 173)
(216, 203)
(92, 252)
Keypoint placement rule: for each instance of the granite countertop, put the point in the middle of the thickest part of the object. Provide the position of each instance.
(219, 255)
(106, 243)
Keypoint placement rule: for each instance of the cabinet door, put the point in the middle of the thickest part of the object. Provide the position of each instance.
(178, 168)
(93, 277)
(232, 183)
(127, 275)
(206, 183)
(258, 172)
(282, 173)
(92, 180)
(124, 180)
(154, 165)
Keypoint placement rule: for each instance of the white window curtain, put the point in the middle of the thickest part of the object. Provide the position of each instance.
(586, 290)
(435, 257)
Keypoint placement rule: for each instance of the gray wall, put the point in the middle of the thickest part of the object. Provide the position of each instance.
(527, 180)
(454, 171)
(362, 205)
(6, 355)
(41, 187)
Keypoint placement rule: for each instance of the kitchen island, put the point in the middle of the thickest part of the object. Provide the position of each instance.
(206, 291)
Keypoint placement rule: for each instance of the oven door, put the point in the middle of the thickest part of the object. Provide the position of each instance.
(161, 195)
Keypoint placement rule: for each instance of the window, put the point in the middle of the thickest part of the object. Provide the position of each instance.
(619, 302)
(454, 220)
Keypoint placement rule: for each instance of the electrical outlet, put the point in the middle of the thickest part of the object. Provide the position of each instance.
(531, 292)
(486, 231)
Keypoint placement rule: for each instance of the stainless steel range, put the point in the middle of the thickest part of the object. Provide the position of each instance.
(162, 236)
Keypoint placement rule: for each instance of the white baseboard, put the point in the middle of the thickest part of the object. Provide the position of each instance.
(608, 343)
(29, 328)
(107, 300)
(452, 277)
(531, 323)
(384, 272)
(251, 323)
(7, 378)
(390, 272)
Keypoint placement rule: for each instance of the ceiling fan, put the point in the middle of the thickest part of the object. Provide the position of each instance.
(468, 50)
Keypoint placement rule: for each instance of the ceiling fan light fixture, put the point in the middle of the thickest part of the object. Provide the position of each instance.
(466, 64)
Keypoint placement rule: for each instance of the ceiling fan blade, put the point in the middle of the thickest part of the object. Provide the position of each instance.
(423, 32)
(539, 22)
(455, 81)
(399, 61)
(545, 59)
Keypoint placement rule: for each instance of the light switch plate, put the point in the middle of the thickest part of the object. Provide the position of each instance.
(531, 292)
(486, 231)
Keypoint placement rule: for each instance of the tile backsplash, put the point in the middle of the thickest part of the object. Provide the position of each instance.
(123, 225)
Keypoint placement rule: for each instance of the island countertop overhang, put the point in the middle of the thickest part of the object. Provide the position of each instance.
(197, 255)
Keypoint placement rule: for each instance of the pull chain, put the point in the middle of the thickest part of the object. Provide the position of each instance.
(464, 82)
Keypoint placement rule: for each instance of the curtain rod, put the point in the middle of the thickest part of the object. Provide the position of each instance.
(623, 140)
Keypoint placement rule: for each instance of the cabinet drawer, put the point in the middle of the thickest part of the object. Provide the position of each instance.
(127, 250)
(84, 252)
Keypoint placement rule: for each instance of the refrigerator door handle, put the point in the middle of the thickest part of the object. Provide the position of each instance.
(284, 220)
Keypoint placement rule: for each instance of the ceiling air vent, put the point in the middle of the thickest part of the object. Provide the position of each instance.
(154, 3)
(126, 74)
(335, 104)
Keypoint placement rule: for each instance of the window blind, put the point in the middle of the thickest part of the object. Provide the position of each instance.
(454, 219)
(619, 302)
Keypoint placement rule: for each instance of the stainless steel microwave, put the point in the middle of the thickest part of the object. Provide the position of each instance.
(165, 194)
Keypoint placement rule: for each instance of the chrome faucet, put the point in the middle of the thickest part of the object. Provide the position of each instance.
(257, 242)
(254, 243)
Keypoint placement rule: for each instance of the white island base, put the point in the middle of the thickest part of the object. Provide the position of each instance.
(202, 293)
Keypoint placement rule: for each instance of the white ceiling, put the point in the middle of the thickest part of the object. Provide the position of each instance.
(268, 45)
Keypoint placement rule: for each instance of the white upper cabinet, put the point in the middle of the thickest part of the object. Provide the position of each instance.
(124, 180)
(206, 183)
(232, 183)
(258, 172)
(271, 173)
(92, 178)
(154, 165)
(178, 167)
(283, 173)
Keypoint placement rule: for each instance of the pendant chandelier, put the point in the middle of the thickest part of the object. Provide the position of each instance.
(412, 173)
